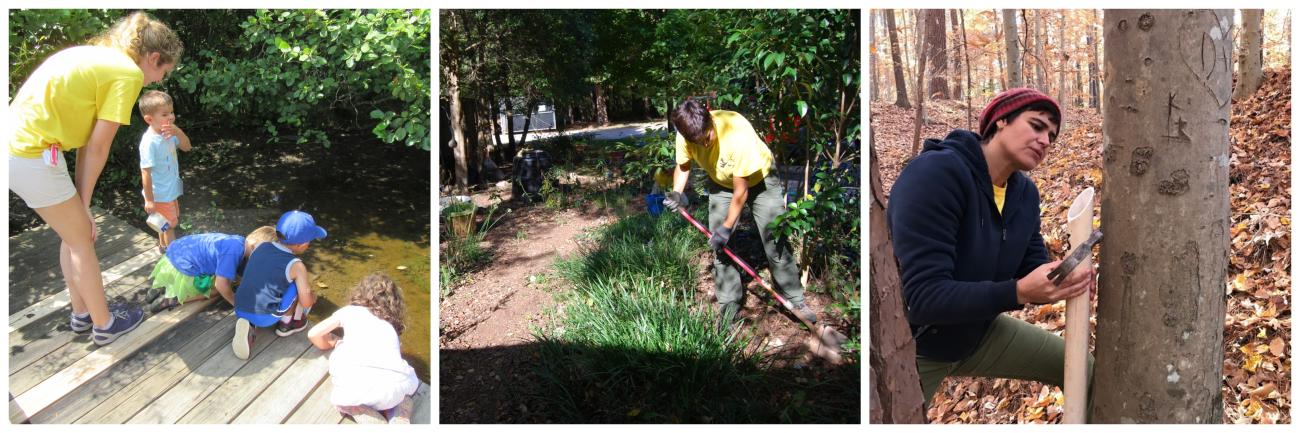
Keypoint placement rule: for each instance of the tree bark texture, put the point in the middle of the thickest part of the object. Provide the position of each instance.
(1164, 261)
(1250, 61)
(871, 25)
(1013, 48)
(602, 111)
(900, 83)
(1040, 57)
(1063, 59)
(895, 386)
(920, 100)
(936, 47)
(1094, 76)
(956, 54)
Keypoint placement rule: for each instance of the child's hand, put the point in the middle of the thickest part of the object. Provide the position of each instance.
(149, 206)
(170, 130)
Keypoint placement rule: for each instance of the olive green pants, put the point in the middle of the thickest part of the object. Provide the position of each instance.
(766, 201)
(1012, 349)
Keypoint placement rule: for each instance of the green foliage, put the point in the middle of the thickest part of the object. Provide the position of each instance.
(462, 256)
(648, 155)
(35, 34)
(297, 74)
(299, 68)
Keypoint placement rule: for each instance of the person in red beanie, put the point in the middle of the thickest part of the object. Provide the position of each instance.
(967, 234)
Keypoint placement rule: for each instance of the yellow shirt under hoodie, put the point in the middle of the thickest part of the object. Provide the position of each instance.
(60, 102)
(736, 151)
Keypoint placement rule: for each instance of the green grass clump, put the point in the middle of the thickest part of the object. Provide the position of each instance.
(634, 344)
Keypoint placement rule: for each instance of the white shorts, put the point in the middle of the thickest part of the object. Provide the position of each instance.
(38, 184)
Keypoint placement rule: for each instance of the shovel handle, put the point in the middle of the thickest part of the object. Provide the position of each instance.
(743, 265)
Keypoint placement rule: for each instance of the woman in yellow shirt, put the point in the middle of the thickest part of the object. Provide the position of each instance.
(77, 99)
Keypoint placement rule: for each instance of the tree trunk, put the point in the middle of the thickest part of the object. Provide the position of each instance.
(1164, 262)
(895, 385)
(457, 127)
(528, 120)
(602, 110)
(871, 41)
(956, 55)
(1094, 79)
(936, 45)
(1040, 56)
(1250, 60)
(1013, 49)
(1027, 52)
(1063, 57)
(900, 83)
(965, 50)
(510, 121)
(920, 103)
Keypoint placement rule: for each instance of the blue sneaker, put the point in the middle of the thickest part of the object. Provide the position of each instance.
(79, 324)
(125, 318)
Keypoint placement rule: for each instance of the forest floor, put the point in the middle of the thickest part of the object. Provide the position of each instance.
(489, 324)
(1257, 333)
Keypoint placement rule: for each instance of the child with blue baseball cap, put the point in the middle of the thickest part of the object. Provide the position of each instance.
(276, 288)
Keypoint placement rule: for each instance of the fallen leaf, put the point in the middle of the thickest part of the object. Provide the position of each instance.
(1277, 346)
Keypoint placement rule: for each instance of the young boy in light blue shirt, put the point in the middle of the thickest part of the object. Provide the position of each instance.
(159, 167)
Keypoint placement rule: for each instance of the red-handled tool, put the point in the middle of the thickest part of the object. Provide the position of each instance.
(827, 340)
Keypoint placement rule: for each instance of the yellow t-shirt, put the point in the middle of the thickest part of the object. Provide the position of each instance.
(735, 152)
(62, 99)
(999, 196)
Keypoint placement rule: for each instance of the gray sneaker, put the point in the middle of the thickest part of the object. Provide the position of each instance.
(242, 343)
(125, 319)
(803, 311)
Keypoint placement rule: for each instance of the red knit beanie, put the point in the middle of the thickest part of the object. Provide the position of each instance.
(1011, 100)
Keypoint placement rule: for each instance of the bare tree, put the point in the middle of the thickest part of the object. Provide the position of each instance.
(1013, 48)
(920, 101)
(936, 48)
(871, 27)
(900, 82)
(1159, 356)
(1250, 61)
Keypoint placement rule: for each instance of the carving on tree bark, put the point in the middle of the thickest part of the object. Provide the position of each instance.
(1208, 53)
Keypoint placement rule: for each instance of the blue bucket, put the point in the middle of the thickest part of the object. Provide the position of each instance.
(654, 203)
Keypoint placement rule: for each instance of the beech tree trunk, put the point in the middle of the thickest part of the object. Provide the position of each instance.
(920, 102)
(1013, 49)
(895, 385)
(1063, 59)
(900, 82)
(1250, 61)
(1040, 58)
(936, 48)
(1164, 261)
(871, 27)
(956, 54)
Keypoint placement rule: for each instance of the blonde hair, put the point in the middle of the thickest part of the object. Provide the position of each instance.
(153, 100)
(261, 235)
(379, 294)
(138, 35)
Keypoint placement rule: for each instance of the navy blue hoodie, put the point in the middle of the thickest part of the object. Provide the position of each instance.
(958, 257)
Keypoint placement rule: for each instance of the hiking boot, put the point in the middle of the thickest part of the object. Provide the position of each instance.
(727, 316)
(293, 327)
(242, 343)
(80, 324)
(804, 312)
(125, 318)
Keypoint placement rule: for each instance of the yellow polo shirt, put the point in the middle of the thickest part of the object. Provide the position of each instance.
(62, 99)
(736, 151)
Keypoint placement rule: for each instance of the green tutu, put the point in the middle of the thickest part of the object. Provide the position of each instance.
(178, 285)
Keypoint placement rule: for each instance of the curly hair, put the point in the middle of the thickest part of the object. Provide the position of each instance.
(138, 35)
(379, 294)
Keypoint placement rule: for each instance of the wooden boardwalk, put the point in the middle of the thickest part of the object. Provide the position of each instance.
(176, 367)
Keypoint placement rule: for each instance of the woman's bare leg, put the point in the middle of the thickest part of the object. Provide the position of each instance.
(77, 258)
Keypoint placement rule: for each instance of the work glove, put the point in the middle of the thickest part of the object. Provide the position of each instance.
(719, 238)
(675, 200)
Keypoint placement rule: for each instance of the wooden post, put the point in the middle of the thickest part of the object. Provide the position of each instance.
(1077, 311)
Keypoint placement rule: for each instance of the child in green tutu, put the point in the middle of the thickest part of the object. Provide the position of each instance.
(195, 264)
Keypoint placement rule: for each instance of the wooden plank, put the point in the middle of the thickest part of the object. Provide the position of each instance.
(186, 341)
(42, 235)
(51, 390)
(130, 267)
(251, 381)
(279, 400)
(422, 412)
(138, 395)
(28, 263)
(39, 339)
(202, 381)
(316, 409)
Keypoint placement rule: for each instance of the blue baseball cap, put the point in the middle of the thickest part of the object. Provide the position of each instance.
(298, 227)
